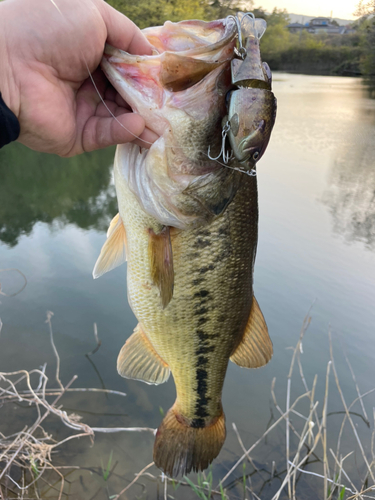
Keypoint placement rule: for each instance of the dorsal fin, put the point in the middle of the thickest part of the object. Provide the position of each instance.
(139, 360)
(161, 263)
(255, 348)
(113, 252)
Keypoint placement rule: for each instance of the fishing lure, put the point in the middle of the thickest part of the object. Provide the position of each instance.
(250, 101)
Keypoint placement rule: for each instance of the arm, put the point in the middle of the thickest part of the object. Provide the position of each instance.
(47, 52)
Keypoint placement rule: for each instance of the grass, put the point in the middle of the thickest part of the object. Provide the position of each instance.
(315, 457)
(27, 454)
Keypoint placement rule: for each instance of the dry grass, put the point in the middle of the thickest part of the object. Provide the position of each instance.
(311, 433)
(28, 452)
(310, 458)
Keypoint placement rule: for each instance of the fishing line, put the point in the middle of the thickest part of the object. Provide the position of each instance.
(250, 173)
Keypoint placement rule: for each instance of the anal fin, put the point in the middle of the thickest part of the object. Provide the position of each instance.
(113, 252)
(255, 348)
(138, 360)
(161, 263)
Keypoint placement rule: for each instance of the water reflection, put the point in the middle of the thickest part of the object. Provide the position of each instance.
(351, 195)
(36, 187)
(370, 85)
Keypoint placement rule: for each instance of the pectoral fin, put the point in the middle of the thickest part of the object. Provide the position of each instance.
(255, 348)
(161, 263)
(139, 360)
(113, 252)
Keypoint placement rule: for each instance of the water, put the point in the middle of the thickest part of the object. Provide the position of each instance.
(316, 248)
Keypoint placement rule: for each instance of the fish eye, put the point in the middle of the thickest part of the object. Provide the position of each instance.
(256, 155)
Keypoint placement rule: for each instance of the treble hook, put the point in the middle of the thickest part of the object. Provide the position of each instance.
(226, 156)
(241, 51)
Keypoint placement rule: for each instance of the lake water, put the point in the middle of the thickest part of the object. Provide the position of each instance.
(316, 249)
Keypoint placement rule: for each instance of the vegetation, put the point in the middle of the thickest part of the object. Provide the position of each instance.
(307, 451)
(155, 12)
(366, 25)
(305, 52)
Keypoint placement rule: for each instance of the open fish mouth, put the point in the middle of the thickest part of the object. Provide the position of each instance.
(180, 92)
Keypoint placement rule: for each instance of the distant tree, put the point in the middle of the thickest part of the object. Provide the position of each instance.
(365, 8)
(278, 17)
(219, 9)
(277, 37)
(260, 13)
(155, 12)
(143, 12)
(366, 12)
(177, 10)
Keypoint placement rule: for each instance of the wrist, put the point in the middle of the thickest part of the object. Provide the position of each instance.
(8, 86)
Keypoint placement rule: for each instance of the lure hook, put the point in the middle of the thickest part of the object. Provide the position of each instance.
(226, 156)
(241, 50)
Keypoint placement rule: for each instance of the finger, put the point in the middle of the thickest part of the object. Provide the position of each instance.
(101, 132)
(112, 95)
(146, 139)
(123, 33)
(110, 108)
(94, 87)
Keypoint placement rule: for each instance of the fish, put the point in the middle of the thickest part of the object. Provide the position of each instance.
(188, 228)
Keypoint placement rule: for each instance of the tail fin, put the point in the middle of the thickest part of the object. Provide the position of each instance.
(180, 448)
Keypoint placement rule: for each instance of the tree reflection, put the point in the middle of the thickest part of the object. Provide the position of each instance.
(351, 196)
(369, 82)
(36, 187)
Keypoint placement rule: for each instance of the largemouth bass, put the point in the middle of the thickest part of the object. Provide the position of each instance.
(187, 225)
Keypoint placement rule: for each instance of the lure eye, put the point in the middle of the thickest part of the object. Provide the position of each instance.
(256, 155)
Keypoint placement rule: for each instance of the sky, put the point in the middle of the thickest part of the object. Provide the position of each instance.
(340, 8)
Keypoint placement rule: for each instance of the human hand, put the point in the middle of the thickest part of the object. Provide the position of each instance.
(48, 48)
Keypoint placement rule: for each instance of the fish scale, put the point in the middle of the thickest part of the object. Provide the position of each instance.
(221, 264)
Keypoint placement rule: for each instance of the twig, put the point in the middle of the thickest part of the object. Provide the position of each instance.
(356, 386)
(20, 290)
(48, 321)
(242, 445)
(275, 424)
(134, 481)
(98, 342)
(348, 414)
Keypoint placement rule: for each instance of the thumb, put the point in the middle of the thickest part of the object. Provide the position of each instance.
(122, 33)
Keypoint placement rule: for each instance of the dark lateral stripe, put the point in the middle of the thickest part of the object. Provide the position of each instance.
(198, 281)
(201, 294)
(202, 349)
(194, 255)
(202, 243)
(201, 310)
(202, 320)
(202, 361)
(202, 400)
(204, 270)
(198, 423)
(205, 336)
